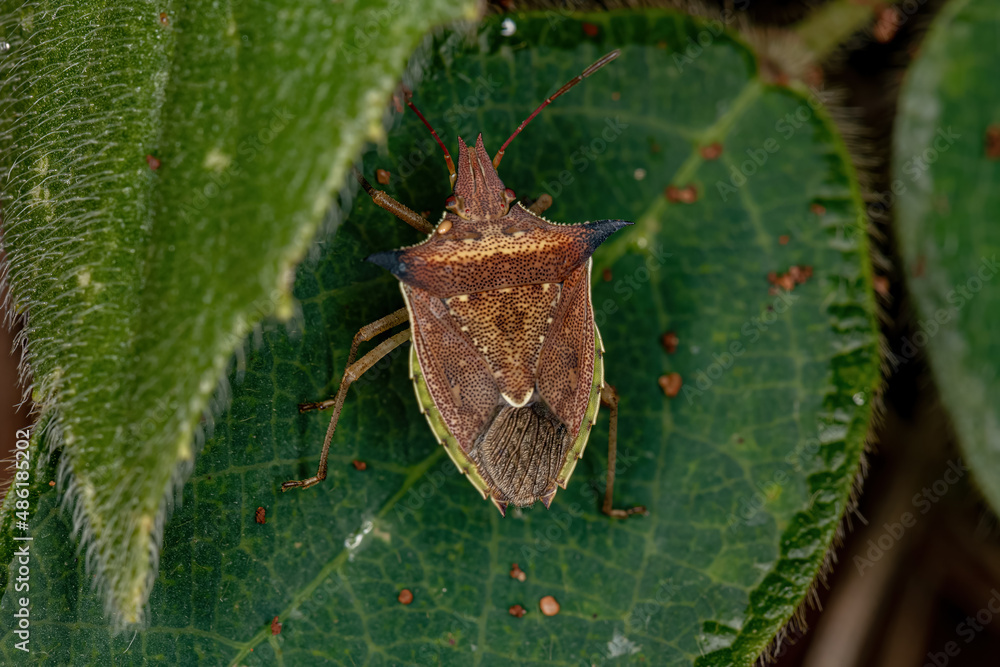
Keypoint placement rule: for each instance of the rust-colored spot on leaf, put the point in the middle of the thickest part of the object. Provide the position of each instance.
(275, 626)
(686, 195)
(164, 19)
(606, 275)
(669, 341)
(517, 611)
(548, 605)
(359, 465)
(590, 30)
(993, 142)
(918, 268)
(52, 482)
(616, 96)
(382, 176)
(712, 151)
(153, 163)
(783, 239)
(796, 275)
(517, 573)
(261, 515)
(405, 596)
(818, 209)
(671, 384)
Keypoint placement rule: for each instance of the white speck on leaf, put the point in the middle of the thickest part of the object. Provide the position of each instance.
(354, 541)
(216, 160)
(621, 645)
(508, 27)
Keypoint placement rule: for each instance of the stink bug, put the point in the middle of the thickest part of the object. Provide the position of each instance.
(506, 360)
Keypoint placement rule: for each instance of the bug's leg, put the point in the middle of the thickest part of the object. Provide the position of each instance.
(541, 204)
(404, 213)
(365, 333)
(610, 398)
(353, 372)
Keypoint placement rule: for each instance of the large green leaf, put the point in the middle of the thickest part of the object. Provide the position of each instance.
(140, 283)
(948, 215)
(746, 478)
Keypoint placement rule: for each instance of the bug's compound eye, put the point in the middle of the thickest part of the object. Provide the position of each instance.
(456, 205)
(509, 194)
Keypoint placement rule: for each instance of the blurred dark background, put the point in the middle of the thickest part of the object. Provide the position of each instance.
(898, 595)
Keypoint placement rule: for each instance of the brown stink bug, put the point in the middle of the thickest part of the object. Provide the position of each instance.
(506, 360)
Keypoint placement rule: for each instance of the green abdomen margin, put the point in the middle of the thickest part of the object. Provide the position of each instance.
(459, 458)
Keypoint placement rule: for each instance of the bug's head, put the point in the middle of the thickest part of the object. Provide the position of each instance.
(479, 193)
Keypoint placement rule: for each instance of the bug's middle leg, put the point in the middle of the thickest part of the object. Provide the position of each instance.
(610, 398)
(365, 333)
(352, 373)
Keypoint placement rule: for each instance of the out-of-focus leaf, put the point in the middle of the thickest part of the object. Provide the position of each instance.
(946, 164)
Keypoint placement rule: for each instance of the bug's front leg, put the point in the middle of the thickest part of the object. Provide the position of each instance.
(610, 398)
(352, 373)
(401, 211)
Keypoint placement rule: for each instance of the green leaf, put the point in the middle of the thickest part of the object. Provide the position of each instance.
(746, 480)
(947, 215)
(163, 175)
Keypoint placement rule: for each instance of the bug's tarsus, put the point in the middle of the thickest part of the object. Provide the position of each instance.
(447, 156)
(401, 211)
(353, 371)
(569, 84)
(610, 398)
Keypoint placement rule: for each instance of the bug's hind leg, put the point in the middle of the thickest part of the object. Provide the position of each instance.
(354, 370)
(401, 211)
(610, 398)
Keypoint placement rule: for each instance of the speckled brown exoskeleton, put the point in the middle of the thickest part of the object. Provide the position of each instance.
(506, 360)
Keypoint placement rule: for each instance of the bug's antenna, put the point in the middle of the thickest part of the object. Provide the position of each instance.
(572, 82)
(447, 155)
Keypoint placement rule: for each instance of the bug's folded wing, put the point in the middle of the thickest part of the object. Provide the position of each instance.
(458, 379)
(566, 362)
